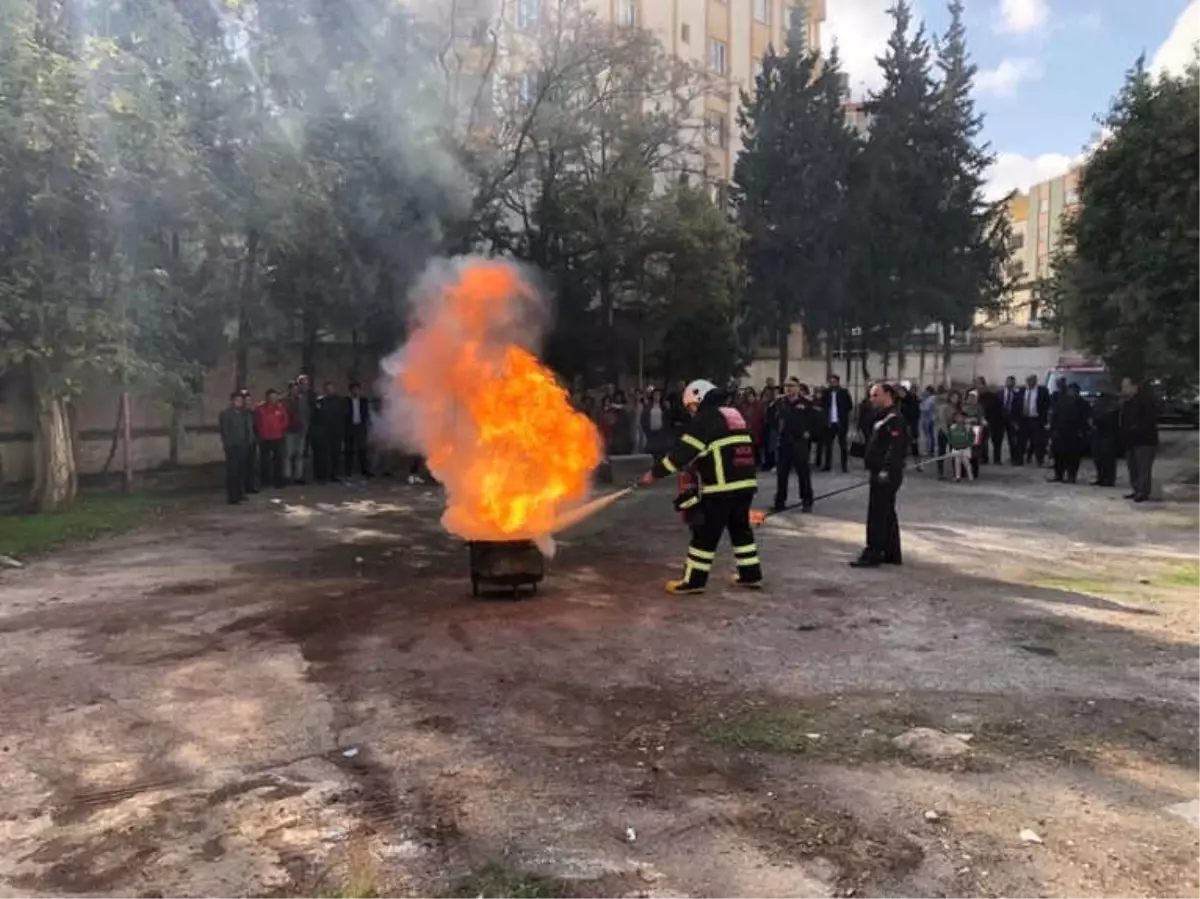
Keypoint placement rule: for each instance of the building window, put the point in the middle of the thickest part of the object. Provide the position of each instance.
(528, 13)
(758, 70)
(1034, 309)
(715, 131)
(716, 55)
(762, 11)
(527, 88)
(1071, 196)
(627, 14)
(685, 33)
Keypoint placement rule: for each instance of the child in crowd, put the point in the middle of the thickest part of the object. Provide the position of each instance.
(961, 439)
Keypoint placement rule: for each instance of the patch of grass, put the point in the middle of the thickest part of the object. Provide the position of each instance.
(824, 733)
(1091, 586)
(495, 881)
(1186, 575)
(359, 880)
(91, 517)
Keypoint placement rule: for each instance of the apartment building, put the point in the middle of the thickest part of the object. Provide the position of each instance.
(1036, 220)
(727, 37)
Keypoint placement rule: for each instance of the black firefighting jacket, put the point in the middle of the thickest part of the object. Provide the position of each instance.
(887, 445)
(718, 447)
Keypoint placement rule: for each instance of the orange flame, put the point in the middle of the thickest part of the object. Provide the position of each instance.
(495, 426)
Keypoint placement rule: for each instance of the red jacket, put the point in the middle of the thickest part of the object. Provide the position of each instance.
(271, 420)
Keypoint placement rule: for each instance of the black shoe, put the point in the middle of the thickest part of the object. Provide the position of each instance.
(807, 507)
(1054, 480)
(779, 507)
(1140, 499)
(827, 468)
(1130, 496)
(865, 562)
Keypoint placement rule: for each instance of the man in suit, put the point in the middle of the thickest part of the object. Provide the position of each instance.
(1034, 413)
(837, 406)
(993, 417)
(1010, 409)
(328, 426)
(358, 429)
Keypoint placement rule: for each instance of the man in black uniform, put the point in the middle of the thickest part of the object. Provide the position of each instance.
(719, 448)
(798, 423)
(1106, 437)
(887, 445)
(236, 438)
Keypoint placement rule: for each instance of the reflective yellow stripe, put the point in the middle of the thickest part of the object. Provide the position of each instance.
(669, 465)
(714, 449)
(732, 440)
(729, 487)
(702, 554)
(691, 566)
(745, 563)
(742, 550)
(693, 442)
(688, 503)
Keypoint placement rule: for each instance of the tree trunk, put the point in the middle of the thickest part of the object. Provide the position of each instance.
(126, 444)
(176, 435)
(946, 348)
(921, 370)
(828, 355)
(245, 299)
(782, 339)
(308, 347)
(54, 482)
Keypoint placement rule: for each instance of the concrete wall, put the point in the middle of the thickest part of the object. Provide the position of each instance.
(96, 412)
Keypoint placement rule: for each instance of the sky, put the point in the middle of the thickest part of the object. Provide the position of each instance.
(1047, 68)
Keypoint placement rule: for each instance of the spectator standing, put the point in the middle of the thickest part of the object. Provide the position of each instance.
(993, 422)
(295, 442)
(636, 435)
(621, 436)
(973, 410)
(961, 443)
(328, 423)
(235, 439)
(839, 409)
(1010, 412)
(250, 466)
(929, 420)
(357, 428)
(752, 411)
(656, 424)
(1035, 411)
(1139, 433)
(796, 426)
(1106, 437)
(910, 409)
(947, 409)
(770, 403)
(271, 420)
(1069, 434)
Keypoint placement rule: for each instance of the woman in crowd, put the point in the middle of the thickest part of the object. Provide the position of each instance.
(620, 441)
(656, 423)
(947, 407)
(752, 411)
(818, 440)
(973, 409)
(929, 420)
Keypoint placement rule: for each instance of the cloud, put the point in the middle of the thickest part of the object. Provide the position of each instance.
(1012, 171)
(1022, 16)
(1178, 50)
(1004, 79)
(861, 29)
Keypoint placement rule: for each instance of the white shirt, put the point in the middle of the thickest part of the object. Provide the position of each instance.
(356, 410)
(1031, 407)
(833, 407)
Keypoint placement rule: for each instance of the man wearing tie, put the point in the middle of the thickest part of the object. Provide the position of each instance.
(836, 404)
(1035, 409)
(1010, 410)
(358, 428)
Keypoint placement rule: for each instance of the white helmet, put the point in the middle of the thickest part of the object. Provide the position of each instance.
(694, 393)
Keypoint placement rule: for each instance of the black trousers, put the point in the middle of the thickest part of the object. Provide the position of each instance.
(1013, 433)
(943, 447)
(883, 527)
(235, 475)
(356, 450)
(995, 436)
(715, 515)
(837, 432)
(270, 454)
(327, 452)
(1066, 465)
(1140, 462)
(1033, 441)
(793, 457)
(250, 469)
(1104, 456)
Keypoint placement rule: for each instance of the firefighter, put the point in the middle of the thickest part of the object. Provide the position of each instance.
(719, 449)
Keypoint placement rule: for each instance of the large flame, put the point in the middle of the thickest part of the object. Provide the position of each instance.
(495, 426)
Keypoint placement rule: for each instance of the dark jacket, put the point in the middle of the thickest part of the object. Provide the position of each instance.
(799, 421)
(1043, 403)
(845, 407)
(1069, 429)
(329, 414)
(236, 430)
(1008, 400)
(887, 445)
(716, 432)
(364, 412)
(1139, 420)
(299, 409)
(993, 409)
(1106, 420)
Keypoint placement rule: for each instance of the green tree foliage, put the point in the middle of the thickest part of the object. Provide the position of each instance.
(1128, 276)
(791, 189)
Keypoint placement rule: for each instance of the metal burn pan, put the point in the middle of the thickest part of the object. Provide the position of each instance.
(511, 564)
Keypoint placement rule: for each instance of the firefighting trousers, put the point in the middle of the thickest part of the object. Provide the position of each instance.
(719, 514)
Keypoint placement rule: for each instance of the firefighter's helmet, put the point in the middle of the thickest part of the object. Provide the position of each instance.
(694, 393)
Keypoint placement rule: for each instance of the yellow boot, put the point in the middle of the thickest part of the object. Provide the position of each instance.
(681, 587)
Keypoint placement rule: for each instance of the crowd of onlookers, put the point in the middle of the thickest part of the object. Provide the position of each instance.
(957, 429)
(302, 435)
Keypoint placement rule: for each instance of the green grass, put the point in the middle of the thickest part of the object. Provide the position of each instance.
(762, 731)
(1186, 575)
(495, 881)
(834, 733)
(91, 517)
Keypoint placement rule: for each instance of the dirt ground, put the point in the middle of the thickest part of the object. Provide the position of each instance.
(301, 697)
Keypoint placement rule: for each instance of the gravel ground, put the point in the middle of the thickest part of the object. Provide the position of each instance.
(301, 697)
